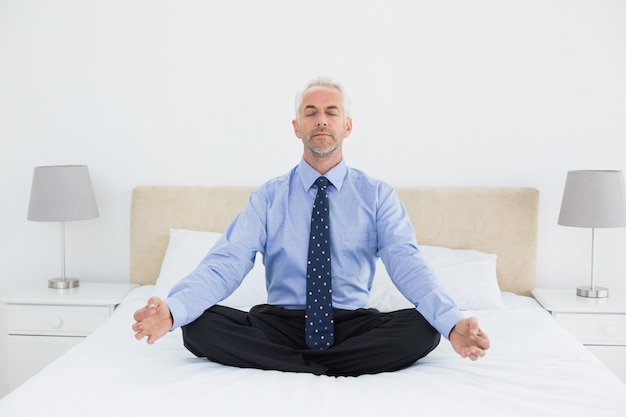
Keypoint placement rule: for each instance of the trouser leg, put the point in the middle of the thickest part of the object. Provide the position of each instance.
(241, 339)
(371, 342)
(366, 341)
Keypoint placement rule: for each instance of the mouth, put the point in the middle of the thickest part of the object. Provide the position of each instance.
(321, 133)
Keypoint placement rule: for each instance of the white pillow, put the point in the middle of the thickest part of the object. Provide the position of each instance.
(469, 277)
(185, 250)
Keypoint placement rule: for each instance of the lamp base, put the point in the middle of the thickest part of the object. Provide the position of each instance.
(595, 292)
(62, 284)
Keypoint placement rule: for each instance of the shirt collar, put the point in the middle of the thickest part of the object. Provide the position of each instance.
(308, 174)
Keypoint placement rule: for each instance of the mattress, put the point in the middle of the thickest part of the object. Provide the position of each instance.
(534, 368)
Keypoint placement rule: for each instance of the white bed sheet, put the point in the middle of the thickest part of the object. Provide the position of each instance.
(534, 368)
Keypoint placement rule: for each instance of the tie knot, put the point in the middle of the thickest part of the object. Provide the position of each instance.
(322, 182)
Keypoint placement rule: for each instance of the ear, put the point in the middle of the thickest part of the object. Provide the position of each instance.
(296, 128)
(348, 128)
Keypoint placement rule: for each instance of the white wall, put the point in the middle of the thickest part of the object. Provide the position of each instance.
(487, 93)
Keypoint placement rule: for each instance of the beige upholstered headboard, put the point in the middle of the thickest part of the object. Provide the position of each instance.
(496, 220)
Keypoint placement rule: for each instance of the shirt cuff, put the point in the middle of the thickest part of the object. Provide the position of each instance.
(445, 322)
(178, 312)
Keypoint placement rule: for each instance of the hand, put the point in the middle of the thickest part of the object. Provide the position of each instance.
(152, 321)
(468, 340)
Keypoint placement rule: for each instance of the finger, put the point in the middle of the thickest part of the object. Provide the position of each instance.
(139, 335)
(475, 353)
(140, 314)
(154, 302)
(144, 312)
(482, 341)
(473, 327)
(153, 338)
(478, 352)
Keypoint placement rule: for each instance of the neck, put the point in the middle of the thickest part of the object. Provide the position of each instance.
(323, 164)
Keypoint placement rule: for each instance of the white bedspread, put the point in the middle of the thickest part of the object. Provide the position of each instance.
(534, 368)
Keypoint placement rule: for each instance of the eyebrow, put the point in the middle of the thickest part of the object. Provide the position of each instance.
(331, 107)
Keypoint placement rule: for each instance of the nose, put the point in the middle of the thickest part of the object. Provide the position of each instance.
(322, 121)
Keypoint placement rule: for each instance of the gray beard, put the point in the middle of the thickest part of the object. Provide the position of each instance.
(322, 152)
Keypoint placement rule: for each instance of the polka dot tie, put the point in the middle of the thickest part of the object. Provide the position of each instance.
(319, 330)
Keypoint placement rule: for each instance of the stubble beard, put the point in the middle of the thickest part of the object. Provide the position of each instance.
(319, 152)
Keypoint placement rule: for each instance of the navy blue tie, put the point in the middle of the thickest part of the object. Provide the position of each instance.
(319, 332)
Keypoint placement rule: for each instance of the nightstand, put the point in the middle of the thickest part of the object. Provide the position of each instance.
(599, 323)
(44, 323)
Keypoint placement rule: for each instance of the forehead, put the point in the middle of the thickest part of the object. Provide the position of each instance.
(322, 96)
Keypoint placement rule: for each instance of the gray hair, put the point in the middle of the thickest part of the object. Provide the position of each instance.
(326, 82)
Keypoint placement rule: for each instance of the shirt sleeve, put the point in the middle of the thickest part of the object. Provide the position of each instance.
(222, 270)
(409, 271)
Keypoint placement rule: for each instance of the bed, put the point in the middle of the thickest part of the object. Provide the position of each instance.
(481, 241)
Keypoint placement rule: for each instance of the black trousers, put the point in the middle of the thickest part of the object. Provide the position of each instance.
(268, 337)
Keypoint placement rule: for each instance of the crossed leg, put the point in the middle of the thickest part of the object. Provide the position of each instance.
(366, 340)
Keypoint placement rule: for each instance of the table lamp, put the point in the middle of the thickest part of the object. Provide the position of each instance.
(593, 199)
(59, 194)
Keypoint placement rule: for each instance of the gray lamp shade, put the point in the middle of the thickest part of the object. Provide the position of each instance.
(62, 193)
(594, 199)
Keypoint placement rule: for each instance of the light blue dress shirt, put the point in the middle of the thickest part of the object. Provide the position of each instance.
(367, 221)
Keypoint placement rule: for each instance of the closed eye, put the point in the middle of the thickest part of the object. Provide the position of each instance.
(332, 111)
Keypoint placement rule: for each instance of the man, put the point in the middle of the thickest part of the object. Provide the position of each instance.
(365, 220)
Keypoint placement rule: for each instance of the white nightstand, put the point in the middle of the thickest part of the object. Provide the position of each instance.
(43, 323)
(599, 323)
